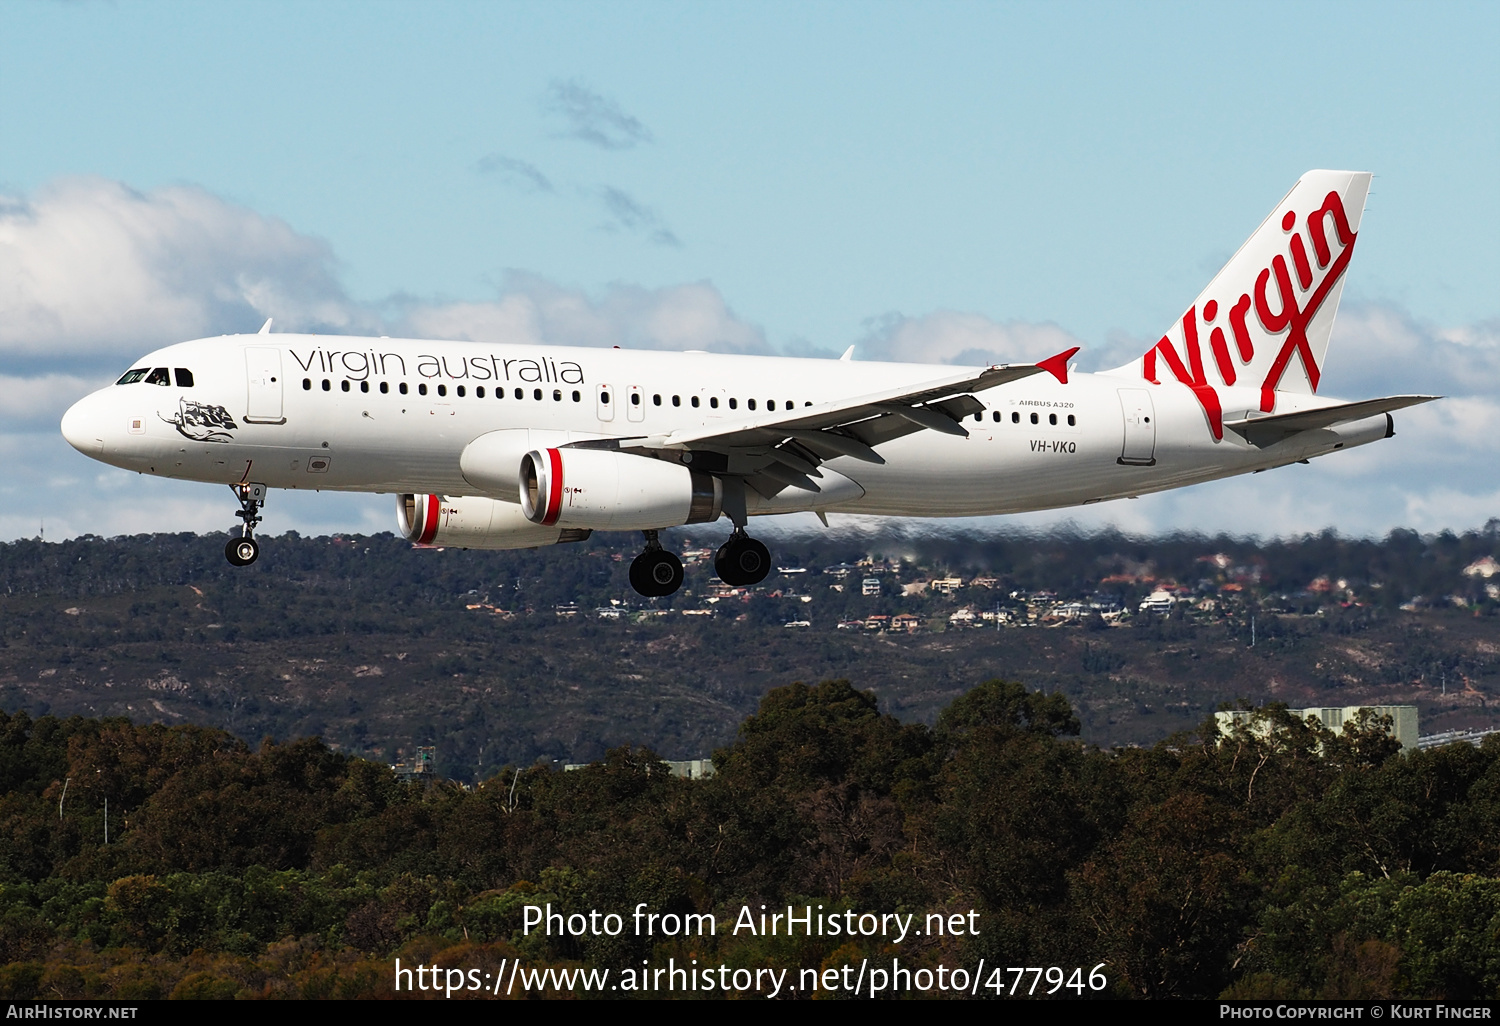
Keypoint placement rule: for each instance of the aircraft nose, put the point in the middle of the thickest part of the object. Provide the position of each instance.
(82, 427)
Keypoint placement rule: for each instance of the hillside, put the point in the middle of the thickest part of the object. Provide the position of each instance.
(500, 658)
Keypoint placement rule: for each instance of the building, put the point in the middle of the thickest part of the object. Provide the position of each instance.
(420, 768)
(870, 586)
(688, 769)
(1157, 602)
(1403, 720)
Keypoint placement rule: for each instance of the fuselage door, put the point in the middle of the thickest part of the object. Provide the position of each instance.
(263, 376)
(636, 408)
(1139, 449)
(606, 402)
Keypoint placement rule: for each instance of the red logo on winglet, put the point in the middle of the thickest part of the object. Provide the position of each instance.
(1057, 365)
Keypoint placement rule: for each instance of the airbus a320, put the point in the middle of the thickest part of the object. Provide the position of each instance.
(518, 446)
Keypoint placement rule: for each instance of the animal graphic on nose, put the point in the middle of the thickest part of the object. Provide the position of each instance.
(201, 422)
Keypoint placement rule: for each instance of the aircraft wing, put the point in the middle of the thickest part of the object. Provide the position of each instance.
(775, 450)
(1268, 430)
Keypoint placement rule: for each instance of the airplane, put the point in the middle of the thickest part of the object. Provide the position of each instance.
(494, 446)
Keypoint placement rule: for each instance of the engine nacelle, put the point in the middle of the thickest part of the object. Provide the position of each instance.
(474, 522)
(491, 462)
(615, 491)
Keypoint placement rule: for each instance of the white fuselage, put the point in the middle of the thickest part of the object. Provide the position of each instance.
(394, 415)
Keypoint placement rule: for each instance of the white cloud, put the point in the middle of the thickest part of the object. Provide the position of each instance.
(1378, 349)
(532, 310)
(34, 402)
(947, 336)
(89, 266)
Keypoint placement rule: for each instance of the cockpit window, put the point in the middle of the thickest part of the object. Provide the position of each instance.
(184, 377)
(132, 376)
(159, 376)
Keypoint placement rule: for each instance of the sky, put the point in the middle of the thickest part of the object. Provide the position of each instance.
(917, 180)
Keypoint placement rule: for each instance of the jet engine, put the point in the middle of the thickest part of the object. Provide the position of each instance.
(615, 491)
(474, 522)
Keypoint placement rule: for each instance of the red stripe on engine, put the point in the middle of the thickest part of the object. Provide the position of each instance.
(554, 488)
(429, 519)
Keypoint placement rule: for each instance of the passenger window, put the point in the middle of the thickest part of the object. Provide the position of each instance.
(694, 401)
(422, 388)
(771, 404)
(307, 384)
(459, 390)
(159, 376)
(132, 376)
(656, 400)
(364, 386)
(1033, 418)
(791, 405)
(748, 402)
(442, 390)
(401, 388)
(635, 398)
(557, 395)
(1051, 418)
(536, 394)
(344, 384)
(1071, 421)
(734, 404)
(978, 417)
(1015, 418)
(522, 395)
(184, 377)
(326, 385)
(385, 387)
(714, 402)
(479, 392)
(577, 396)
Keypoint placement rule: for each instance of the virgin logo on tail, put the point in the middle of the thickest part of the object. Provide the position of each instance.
(1276, 313)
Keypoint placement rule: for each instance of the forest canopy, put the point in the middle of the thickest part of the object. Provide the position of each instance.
(1285, 861)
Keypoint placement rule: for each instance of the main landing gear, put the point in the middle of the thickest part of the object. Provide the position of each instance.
(244, 550)
(742, 560)
(655, 573)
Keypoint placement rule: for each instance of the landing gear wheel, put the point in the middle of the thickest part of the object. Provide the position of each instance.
(656, 573)
(242, 551)
(742, 560)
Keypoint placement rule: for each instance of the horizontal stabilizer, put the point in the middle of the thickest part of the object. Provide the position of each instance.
(1268, 430)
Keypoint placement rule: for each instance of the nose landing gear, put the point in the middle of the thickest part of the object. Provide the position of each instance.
(742, 560)
(655, 573)
(244, 550)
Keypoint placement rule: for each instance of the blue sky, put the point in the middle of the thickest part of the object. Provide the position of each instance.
(781, 177)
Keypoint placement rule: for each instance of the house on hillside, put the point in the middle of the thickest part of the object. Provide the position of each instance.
(1485, 567)
(1158, 602)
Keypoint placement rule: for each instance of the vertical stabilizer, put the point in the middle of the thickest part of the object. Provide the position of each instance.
(1265, 319)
